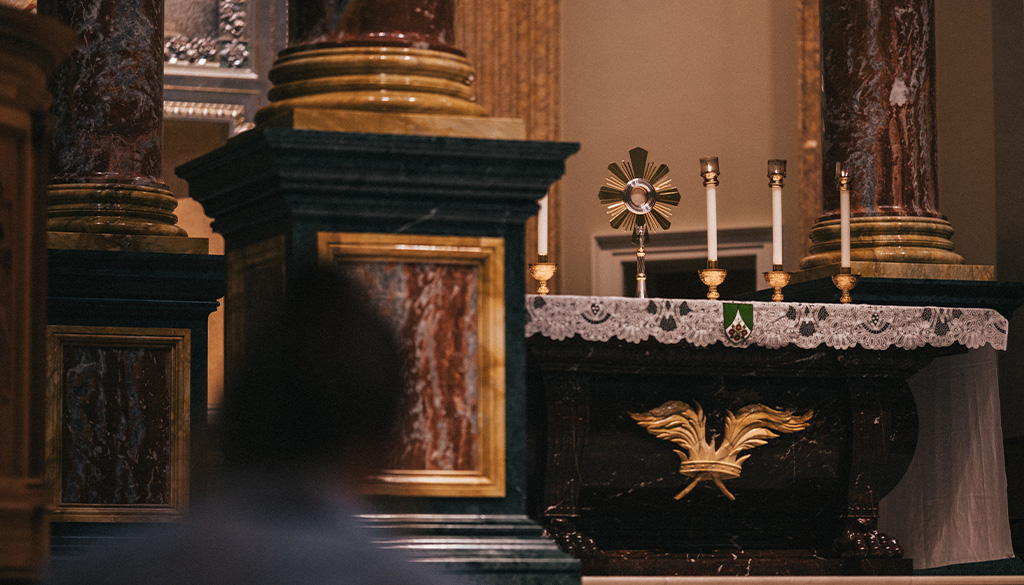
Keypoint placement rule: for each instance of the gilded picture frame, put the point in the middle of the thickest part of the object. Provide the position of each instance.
(117, 429)
(380, 261)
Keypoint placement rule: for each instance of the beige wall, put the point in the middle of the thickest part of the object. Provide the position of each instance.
(683, 80)
(963, 96)
(687, 79)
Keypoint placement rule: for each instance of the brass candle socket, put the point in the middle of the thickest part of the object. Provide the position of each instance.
(845, 281)
(712, 277)
(542, 272)
(777, 278)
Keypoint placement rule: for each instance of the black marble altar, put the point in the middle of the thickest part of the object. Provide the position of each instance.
(1004, 297)
(604, 487)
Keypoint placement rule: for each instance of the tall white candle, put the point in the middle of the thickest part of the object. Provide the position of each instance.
(712, 224)
(777, 225)
(542, 227)
(844, 227)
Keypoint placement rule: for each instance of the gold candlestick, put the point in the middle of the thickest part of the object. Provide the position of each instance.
(542, 272)
(777, 278)
(712, 277)
(845, 281)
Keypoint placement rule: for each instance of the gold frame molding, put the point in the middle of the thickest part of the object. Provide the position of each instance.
(489, 254)
(178, 341)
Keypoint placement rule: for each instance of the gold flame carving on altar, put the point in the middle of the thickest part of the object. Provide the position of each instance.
(684, 425)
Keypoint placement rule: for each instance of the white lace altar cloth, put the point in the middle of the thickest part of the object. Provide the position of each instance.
(806, 325)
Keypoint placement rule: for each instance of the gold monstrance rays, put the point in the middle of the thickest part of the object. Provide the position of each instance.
(636, 190)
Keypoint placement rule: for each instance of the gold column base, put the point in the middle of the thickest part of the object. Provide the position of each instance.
(127, 243)
(845, 281)
(903, 239)
(712, 277)
(112, 208)
(975, 272)
(327, 120)
(777, 278)
(542, 272)
(374, 79)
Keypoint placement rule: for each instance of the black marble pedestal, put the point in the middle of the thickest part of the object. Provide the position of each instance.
(273, 194)
(112, 292)
(604, 486)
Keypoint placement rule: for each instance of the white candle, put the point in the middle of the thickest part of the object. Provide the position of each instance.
(542, 227)
(777, 226)
(844, 227)
(712, 224)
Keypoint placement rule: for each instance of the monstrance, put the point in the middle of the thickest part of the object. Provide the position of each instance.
(636, 191)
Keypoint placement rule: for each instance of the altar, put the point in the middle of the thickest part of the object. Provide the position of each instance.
(641, 413)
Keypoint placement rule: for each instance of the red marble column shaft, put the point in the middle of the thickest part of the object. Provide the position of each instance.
(420, 24)
(878, 105)
(109, 95)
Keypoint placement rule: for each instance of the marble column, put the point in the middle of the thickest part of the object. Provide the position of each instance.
(30, 49)
(878, 114)
(106, 191)
(383, 66)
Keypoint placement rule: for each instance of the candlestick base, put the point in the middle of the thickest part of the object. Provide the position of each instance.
(712, 277)
(777, 278)
(542, 272)
(845, 281)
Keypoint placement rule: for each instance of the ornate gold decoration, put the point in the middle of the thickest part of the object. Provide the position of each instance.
(712, 277)
(635, 191)
(638, 189)
(542, 272)
(845, 281)
(374, 79)
(684, 425)
(777, 278)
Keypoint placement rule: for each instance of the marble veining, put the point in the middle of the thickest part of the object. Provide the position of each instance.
(878, 105)
(115, 425)
(419, 24)
(434, 308)
(109, 96)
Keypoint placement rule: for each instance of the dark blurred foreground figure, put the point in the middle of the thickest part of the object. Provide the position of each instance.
(306, 418)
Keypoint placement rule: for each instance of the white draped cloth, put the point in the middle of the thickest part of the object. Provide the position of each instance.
(951, 505)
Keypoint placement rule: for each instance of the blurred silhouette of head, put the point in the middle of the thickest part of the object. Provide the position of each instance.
(320, 385)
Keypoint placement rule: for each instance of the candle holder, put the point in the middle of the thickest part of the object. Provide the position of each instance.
(845, 281)
(542, 272)
(777, 278)
(712, 277)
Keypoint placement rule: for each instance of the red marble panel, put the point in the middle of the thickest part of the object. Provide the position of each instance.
(434, 308)
(115, 440)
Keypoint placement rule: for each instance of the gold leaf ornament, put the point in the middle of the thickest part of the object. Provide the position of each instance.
(685, 425)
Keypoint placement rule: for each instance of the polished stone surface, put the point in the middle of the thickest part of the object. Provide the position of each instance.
(424, 24)
(274, 183)
(115, 431)
(400, 123)
(605, 487)
(109, 95)
(878, 105)
(896, 270)
(1004, 297)
(434, 311)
